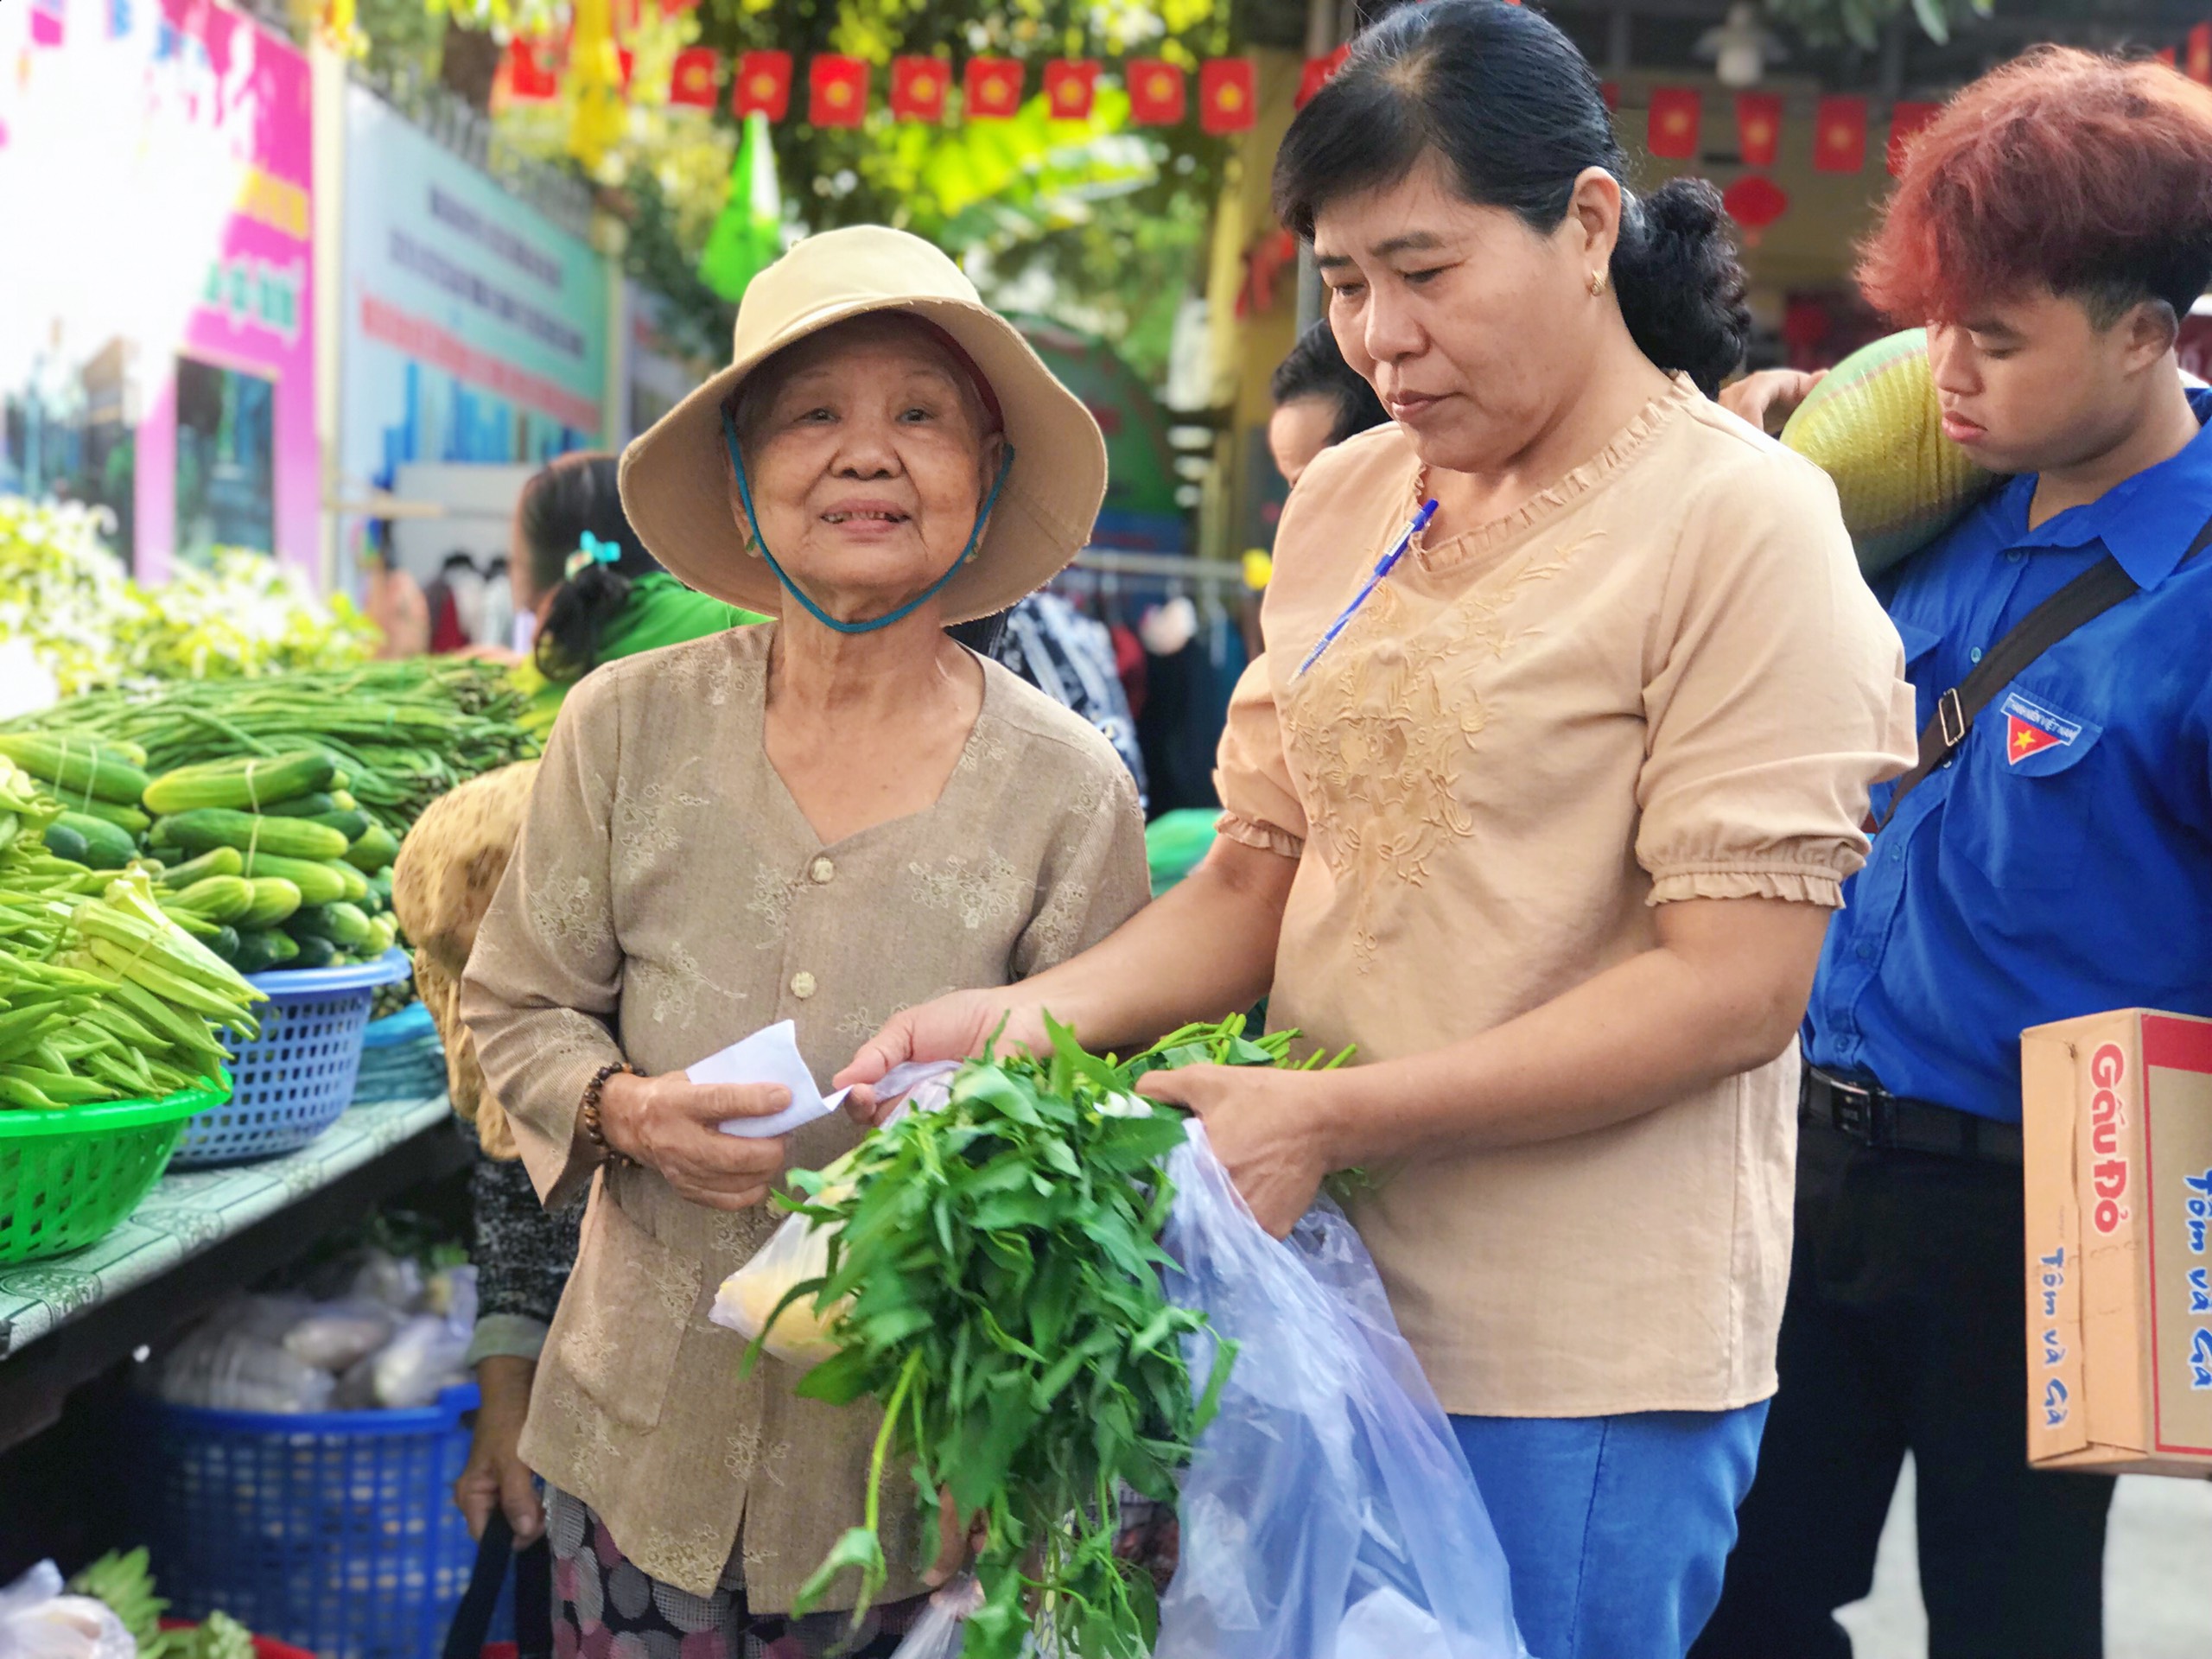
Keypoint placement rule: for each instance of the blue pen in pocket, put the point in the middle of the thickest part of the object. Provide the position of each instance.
(1382, 568)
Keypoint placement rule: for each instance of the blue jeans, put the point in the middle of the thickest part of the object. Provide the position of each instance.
(1615, 1529)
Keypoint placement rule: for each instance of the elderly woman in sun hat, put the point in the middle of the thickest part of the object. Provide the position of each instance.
(820, 819)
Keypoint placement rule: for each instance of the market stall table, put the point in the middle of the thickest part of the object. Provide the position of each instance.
(199, 1235)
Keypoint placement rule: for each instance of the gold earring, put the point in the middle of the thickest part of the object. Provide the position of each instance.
(1598, 280)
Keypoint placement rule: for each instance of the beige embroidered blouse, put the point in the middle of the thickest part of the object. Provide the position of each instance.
(668, 898)
(1662, 679)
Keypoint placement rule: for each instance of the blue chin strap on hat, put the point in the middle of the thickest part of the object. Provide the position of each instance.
(753, 522)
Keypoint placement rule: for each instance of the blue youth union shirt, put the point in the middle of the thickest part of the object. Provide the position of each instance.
(2061, 863)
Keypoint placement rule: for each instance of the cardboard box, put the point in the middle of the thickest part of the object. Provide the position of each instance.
(2117, 1120)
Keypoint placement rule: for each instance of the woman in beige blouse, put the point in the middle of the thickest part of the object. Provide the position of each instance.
(818, 820)
(1551, 830)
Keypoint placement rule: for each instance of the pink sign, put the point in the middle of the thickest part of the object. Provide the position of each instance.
(162, 363)
(254, 323)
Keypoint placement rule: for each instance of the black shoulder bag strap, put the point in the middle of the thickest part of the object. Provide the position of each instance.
(2083, 600)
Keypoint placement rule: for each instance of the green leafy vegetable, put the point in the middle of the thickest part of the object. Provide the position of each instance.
(993, 1276)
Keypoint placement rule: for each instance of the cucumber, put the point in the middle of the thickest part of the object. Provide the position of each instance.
(384, 932)
(259, 951)
(272, 900)
(319, 883)
(302, 806)
(224, 860)
(248, 781)
(353, 825)
(64, 842)
(125, 817)
(374, 850)
(205, 828)
(108, 846)
(355, 883)
(219, 897)
(77, 766)
(342, 801)
(223, 943)
(345, 925)
(314, 952)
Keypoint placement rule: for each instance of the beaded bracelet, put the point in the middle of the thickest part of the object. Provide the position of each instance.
(587, 1114)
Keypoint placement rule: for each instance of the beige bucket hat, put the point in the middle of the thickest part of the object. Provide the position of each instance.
(674, 477)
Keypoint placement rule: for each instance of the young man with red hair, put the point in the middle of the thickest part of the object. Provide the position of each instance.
(2051, 228)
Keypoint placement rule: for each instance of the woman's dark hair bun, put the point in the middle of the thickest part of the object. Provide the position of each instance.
(576, 496)
(1517, 115)
(1682, 287)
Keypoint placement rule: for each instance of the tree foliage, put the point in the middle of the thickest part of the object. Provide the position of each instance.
(1100, 223)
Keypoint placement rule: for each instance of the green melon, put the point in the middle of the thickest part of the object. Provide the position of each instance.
(1874, 426)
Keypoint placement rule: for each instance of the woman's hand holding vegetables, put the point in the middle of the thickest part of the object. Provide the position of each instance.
(950, 1028)
(1268, 1127)
(671, 1124)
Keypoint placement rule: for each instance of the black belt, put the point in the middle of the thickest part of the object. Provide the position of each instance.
(1873, 1117)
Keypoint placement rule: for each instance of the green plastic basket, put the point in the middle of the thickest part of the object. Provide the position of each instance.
(70, 1176)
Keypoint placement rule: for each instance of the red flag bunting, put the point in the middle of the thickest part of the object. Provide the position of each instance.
(1156, 97)
(1318, 73)
(763, 85)
(628, 61)
(1905, 120)
(691, 80)
(1758, 127)
(1070, 84)
(836, 91)
(992, 91)
(1755, 202)
(1227, 99)
(671, 7)
(918, 88)
(2199, 60)
(1839, 135)
(1672, 130)
(528, 81)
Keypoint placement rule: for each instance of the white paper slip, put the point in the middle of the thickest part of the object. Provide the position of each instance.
(769, 1056)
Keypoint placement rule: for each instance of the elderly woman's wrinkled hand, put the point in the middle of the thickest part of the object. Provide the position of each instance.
(672, 1125)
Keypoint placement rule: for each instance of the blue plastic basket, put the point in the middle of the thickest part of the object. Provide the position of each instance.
(291, 1083)
(401, 1058)
(334, 1531)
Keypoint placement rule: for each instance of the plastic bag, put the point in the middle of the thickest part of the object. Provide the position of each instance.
(38, 1621)
(394, 1281)
(420, 1362)
(799, 1250)
(237, 1361)
(943, 1627)
(1327, 1512)
(341, 1334)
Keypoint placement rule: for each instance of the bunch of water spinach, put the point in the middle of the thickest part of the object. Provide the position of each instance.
(1001, 1257)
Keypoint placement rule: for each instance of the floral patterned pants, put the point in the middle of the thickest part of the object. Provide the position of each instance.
(606, 1607)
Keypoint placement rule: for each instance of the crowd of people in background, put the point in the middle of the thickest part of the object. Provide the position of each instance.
(1581, 828)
